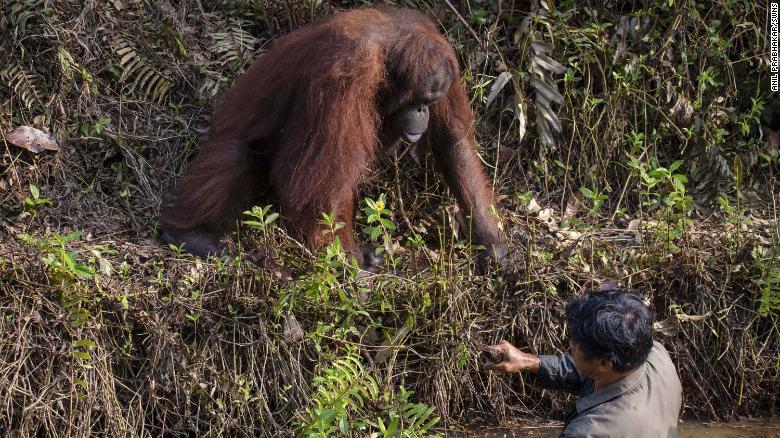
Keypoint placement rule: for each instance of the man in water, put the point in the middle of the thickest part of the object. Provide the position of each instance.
(626, 383)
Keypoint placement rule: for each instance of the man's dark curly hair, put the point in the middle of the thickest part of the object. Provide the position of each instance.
(613, 325)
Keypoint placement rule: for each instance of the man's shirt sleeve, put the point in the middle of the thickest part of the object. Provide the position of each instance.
(558, 372)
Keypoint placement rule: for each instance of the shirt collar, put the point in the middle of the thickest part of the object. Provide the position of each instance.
(613, 391)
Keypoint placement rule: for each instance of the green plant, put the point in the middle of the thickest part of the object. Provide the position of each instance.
(339, 401)
(62, 262)
(334, 256)
(406, 419)
(752, 116)
(380, 224)
(92, 130)
(67, 271)
(31, 204)
(595, 196)
(261, 219)
(662, 192)
(346, 401)
(326, 279)
(768, 281)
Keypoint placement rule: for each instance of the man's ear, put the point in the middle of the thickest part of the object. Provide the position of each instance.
(605, 365)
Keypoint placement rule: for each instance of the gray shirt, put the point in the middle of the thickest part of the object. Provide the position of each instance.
(645, 403)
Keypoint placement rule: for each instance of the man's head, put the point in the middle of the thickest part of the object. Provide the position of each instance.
(610, 332)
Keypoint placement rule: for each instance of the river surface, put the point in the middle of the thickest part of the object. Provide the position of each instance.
(763, 428)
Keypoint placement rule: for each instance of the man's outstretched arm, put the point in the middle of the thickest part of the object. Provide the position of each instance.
(554, 372)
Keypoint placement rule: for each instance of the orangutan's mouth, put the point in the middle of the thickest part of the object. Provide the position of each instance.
(412, 138)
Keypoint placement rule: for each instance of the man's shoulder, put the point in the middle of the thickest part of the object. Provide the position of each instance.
(660, 362)
(658, 350)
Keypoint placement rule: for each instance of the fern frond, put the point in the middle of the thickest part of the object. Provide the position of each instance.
(21, 13)
(542, 68)
(213, 82)
(234, 46)
(343, 389)
(231, 49)
(146, 81)
(29, 87)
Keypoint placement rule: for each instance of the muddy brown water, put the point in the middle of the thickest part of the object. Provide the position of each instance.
(763, 428)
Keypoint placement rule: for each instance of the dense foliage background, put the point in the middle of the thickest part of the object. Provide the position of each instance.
(628, 141)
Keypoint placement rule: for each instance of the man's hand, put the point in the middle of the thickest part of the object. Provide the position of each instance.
(506, 358)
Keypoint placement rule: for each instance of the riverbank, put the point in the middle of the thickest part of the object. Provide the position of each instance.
(754, 428)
